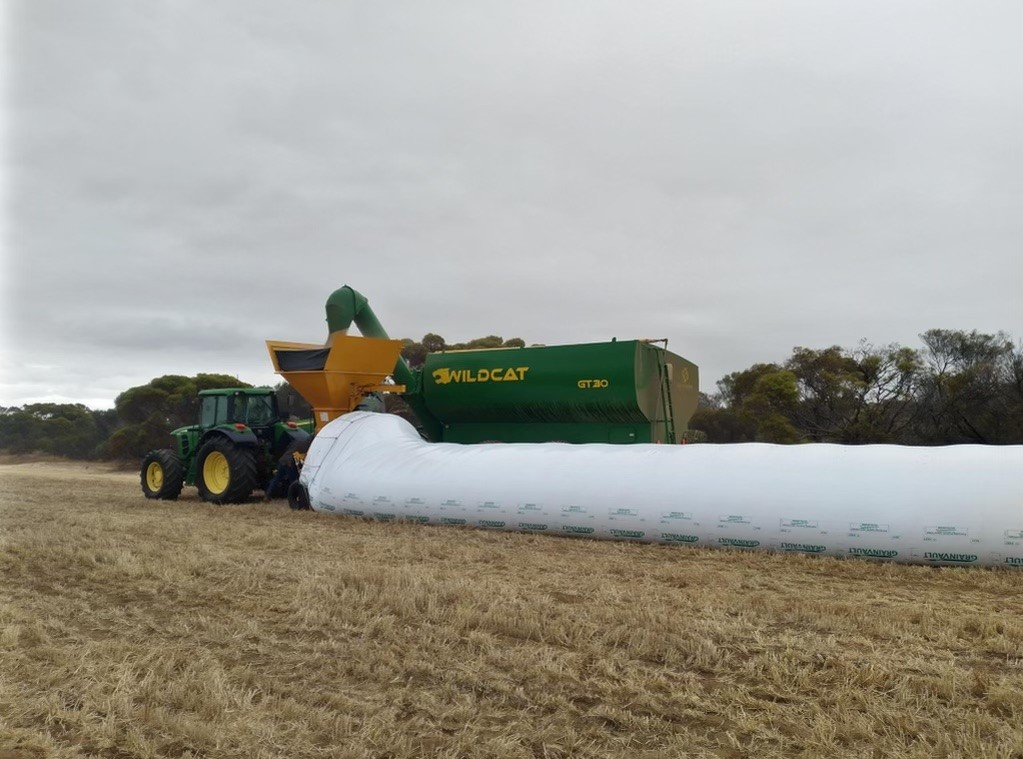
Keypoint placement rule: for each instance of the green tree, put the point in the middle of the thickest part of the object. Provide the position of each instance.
(755, 404)
(723, 425)
(859, 396)
(433, 343)
(773, 401)
(889, 382)
(60, 429)
(972, 388)
(735, 388)
(962, 387)
(415, 353)
(291, 403)
(149, 412)
(490, 341)
(828, 391)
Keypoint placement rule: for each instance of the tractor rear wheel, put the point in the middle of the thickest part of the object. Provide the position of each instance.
(162, 475)
(225, 472)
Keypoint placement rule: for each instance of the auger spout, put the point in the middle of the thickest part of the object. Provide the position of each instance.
(334, 376)
(346, 306)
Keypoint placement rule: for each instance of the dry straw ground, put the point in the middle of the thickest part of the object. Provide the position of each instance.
(132, 628)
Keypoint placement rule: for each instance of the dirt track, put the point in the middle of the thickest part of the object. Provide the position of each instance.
(138, 628)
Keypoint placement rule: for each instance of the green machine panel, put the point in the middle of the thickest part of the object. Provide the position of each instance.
(626, 391)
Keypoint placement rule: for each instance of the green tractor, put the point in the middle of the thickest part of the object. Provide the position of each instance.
(231, 451)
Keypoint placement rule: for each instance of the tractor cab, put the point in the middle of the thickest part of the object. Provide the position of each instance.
(237, 406)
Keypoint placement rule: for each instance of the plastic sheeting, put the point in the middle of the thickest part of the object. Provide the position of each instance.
(955, 505)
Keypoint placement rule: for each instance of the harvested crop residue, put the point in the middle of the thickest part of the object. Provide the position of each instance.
(143, 628)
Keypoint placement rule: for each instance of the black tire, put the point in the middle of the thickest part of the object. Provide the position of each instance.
(225, 472)
(298, 497)
(162, 475)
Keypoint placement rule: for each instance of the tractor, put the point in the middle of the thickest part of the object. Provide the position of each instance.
(231, 452)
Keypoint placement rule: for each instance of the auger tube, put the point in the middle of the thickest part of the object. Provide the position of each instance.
(346, 306)
(943, 506)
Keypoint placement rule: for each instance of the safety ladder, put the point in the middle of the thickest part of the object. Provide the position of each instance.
(664, 370)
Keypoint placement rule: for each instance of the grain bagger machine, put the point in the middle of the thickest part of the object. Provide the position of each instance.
(622, 391)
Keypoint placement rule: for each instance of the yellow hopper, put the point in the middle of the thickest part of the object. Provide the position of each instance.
(333, 378)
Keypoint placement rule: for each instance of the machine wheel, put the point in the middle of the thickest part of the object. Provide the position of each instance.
(298, 497)
(162, 475)
(225, 472)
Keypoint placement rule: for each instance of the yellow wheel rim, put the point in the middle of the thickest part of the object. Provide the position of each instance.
(154, 476)
(216, 472)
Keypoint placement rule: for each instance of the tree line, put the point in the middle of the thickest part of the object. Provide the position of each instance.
(959, 387)
(140, 421)
(414, 352)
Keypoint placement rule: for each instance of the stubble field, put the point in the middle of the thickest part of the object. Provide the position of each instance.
(131, 628)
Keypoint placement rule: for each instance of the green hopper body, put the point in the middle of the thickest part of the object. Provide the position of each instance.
(627, 391)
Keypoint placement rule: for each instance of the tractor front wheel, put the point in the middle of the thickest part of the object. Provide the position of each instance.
(162, 475)
(225, 472)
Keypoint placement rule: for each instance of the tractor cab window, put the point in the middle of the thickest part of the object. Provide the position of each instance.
(239, 408)
(253, 410)
(213, 410)
(261, 411)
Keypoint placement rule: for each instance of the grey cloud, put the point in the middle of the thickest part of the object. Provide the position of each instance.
(739, 177)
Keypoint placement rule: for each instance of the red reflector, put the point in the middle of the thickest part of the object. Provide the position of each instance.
(239, 426)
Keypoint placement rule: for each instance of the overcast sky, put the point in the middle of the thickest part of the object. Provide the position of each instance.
(183, 180)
